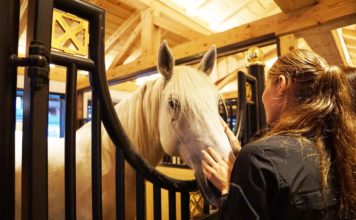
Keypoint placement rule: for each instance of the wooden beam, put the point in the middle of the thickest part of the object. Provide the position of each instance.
(352, 50)
(341, 47)
(126, 43)
(347, 33)
(292, 5)
(269, 54)
(141, 4)
(324, 44)
(114, 8)
(176, 28)
(128, 86)
(240, 5)
(350, 41)
(23, 17)
(122, 30)
(287, 43)
(202, 4)
(146, 32)
(172, 13)
(328, 13)
(221, 83)
(157, 36)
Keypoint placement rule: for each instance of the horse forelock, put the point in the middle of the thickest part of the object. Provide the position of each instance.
(195, 93)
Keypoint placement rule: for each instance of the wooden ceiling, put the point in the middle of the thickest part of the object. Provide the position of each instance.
(135, 28)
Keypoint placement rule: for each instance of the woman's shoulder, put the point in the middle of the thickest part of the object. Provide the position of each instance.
(280, 147)
(279, 142)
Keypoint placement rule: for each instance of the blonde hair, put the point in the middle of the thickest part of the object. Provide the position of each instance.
(321, 113)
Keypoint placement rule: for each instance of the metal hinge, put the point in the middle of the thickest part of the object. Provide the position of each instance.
(37, 63)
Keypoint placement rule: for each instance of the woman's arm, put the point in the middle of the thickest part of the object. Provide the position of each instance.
(218, 169)
(252, 187)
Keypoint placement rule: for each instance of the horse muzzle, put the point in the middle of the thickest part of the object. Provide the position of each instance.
(209, 191)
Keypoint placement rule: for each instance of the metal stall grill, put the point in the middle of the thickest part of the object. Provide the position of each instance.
(35, 161)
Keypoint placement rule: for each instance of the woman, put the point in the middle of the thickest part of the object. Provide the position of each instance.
(351, 77)
(305, 166)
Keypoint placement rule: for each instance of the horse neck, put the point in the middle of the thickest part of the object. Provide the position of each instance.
(139, 117)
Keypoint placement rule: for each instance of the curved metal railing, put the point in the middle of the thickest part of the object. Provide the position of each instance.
(241, 110)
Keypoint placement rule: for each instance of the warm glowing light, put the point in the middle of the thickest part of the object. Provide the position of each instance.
(191, 11)
(83, 72)
(270, 62)
(52, 65)
(142, 80)
(214, 26)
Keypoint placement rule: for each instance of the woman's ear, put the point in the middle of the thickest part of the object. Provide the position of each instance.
(282, 85)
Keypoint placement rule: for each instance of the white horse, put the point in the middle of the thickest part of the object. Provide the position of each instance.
(176, 114)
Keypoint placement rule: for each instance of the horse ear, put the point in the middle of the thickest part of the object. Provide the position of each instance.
(208, 61)
(165, 60)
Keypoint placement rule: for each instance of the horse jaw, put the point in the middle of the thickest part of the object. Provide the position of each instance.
(194, 157)
(209, 134)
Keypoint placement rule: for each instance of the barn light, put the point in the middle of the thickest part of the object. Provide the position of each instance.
(142, 80)
(82, 72)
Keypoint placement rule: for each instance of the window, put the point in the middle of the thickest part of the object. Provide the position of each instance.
(56, 116)
(55, 107)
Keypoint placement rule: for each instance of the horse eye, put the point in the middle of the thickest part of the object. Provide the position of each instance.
(173, 103)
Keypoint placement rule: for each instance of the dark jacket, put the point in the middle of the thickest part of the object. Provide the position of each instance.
(278, 178)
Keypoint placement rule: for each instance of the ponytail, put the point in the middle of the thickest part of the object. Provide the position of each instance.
(322, 113)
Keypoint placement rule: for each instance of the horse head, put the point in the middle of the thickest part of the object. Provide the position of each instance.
(189, 119)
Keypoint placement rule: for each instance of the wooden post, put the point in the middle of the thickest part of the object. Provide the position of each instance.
(287, 43)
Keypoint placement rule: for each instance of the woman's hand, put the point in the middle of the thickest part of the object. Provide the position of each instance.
(218, 169)
(234, 143)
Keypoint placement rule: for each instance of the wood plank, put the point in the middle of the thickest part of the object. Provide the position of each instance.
(23, 17)
(128, 86)
(240, 5)
(341, 47)
(347, 33)
(147, 32)
(269, 54)
(115, 9)
(174, 39)
(141, 4)
(173, 13)
(292, 5)
(328, 13)
(352, 50)
(157, 36)
(323, 44)
(112, 18)
(122, 30)
(126, 43)
(287, 43)
(176, 28)
(350, 34)
(350, 42)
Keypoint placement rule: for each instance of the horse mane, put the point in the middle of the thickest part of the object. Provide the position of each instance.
(139, 116)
